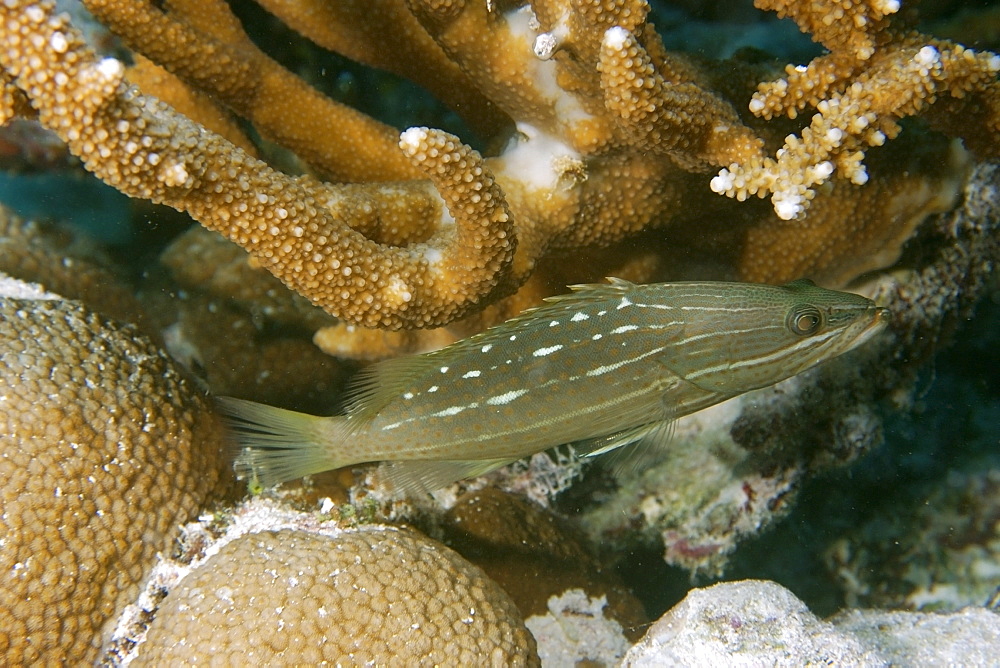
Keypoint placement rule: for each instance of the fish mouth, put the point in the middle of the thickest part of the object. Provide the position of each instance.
(879, 320)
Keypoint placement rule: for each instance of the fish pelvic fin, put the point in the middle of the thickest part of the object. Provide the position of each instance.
(274, 445)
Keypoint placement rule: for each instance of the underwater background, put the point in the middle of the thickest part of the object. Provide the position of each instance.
(905, 516)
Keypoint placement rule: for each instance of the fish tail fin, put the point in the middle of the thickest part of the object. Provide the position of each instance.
(274, 445)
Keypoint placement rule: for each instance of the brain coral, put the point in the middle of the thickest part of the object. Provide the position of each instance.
(104, 450)
(368, 596)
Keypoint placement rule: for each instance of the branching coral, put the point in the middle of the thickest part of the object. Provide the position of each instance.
(601, 133)
(872, 76)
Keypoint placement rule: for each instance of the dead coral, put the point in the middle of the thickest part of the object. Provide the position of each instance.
(106, 448)
(737, 467)
(373, 594)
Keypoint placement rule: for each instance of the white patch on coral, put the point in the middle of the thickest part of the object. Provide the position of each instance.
(536, 159)
(15, 289)
(543, 73)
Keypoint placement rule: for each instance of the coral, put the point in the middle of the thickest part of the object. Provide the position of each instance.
(532, 555)
(872, 76)
(372, 594)
(612, 135)
(106, 448)
(67, 264)
(761, 623)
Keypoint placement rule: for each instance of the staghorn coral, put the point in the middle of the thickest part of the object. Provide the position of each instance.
(105, 449)
(373, 594)
(613, 135)
(872, 76)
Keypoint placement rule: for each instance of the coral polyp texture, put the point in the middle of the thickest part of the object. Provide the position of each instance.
(372, 595)
(599, 132)
(106, 448)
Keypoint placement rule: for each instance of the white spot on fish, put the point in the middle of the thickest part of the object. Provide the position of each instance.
(472, 374)
(623, 329)
(506, 397)
(542, 352)
(513, 337)
(487, 347)
(408, 395)
(601, 370)
(601, 312)
(453, 410)
(623, 303)
(597, 337)
(432, 388)
(577, 317)
(553, 323)
(444, 369)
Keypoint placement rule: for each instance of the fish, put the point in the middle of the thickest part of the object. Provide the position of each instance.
(605, 366)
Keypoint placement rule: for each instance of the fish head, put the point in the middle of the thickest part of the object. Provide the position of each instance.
(778, 332)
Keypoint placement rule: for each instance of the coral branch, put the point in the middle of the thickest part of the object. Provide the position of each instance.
(872, 77)
(203, 43)
(295, 227)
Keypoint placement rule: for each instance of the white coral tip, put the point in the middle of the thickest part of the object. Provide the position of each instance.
(722, 183)
(616, 37)
(412, 138)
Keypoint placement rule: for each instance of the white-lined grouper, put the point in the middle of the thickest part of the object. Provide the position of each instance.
(601, 367)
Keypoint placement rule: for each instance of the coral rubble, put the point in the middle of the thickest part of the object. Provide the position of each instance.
(762, 623)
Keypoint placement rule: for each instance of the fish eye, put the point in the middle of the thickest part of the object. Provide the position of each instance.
(805, 320)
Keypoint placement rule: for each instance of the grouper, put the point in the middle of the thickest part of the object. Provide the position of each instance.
(602, 367)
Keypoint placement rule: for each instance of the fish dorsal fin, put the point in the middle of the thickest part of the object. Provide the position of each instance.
(580, 295)
(427, 475)
(379, 384)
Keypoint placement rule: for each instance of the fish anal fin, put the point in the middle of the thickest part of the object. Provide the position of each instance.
(428, 475)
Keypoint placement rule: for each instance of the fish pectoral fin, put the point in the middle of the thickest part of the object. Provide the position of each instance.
(428, 475)
(673, 369)
(592, 447)
(647, 451)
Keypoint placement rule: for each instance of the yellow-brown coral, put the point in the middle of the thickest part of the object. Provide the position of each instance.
(612, 135)
(872, 76)
(368, 596)
(106, 448)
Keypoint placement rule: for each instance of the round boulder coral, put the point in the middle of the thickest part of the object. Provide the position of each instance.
(104, 450)
(368, 596)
